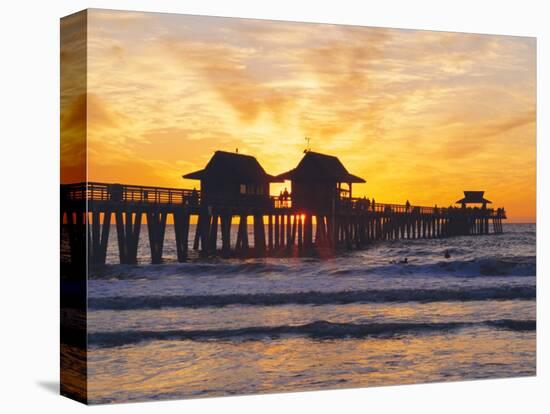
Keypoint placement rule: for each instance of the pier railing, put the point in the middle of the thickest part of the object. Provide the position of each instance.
(94, 191)
(130, 193)
(362, 204)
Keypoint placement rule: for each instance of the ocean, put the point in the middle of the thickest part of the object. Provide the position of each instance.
(242, 326)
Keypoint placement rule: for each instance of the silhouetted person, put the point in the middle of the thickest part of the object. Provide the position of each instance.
(447, 254)
(285, 194)
(373, 204)
(281, 199)
(407, 205)
(404, 261)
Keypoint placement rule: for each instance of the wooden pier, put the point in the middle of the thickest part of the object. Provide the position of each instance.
(279, 228)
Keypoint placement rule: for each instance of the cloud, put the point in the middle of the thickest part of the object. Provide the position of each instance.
(231, 73)
(122, 19)
(413, 111)
(101, 115)
(503, 125)
(469, 140)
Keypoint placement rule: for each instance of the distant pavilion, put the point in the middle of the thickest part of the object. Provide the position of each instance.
(473, 197)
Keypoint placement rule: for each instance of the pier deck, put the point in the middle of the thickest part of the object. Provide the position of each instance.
(88, 209)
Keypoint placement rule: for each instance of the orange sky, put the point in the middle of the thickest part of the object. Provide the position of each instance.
(420, 115)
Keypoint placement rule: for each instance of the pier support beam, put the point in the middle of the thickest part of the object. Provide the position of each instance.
(156, 227)
(288, 231)
(308, 232)
(277, 227)
(259, 234)
(100, 237)
(241, 247)
(213, 234)
(270, 232)
(298, 219)
(226, 234)
(181, 230)
(293, 232)
(202, 232)
(128, 226)
(282, 231)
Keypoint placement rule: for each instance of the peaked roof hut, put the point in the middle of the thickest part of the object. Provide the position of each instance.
(317, 182)
(315, 166)
(229, 176)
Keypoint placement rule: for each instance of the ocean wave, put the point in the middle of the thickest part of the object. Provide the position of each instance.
(507, 266)
(481, 267)
(514, 325)
(218, 267)
(315, 330)
(313, 298)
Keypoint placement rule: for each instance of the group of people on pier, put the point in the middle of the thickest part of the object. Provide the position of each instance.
(284, 198)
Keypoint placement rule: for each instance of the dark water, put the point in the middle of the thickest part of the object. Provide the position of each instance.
(266, 325)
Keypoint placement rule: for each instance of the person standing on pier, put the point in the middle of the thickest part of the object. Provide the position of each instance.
(285, 197)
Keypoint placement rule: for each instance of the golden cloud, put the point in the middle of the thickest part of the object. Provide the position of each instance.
(418, 113)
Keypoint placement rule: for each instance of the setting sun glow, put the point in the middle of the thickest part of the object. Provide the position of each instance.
(420, 115)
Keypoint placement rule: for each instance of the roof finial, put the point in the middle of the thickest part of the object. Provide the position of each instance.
(308, 147)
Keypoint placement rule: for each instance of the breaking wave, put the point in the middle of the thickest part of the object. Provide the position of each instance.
(509, 266)
(314, 298)
(503, 266)
(315, 330)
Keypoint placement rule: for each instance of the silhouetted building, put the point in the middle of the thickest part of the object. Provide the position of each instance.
(473, 197)
(233, 177)
(317, 183)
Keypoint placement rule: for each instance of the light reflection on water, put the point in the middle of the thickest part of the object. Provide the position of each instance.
(176, 369)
